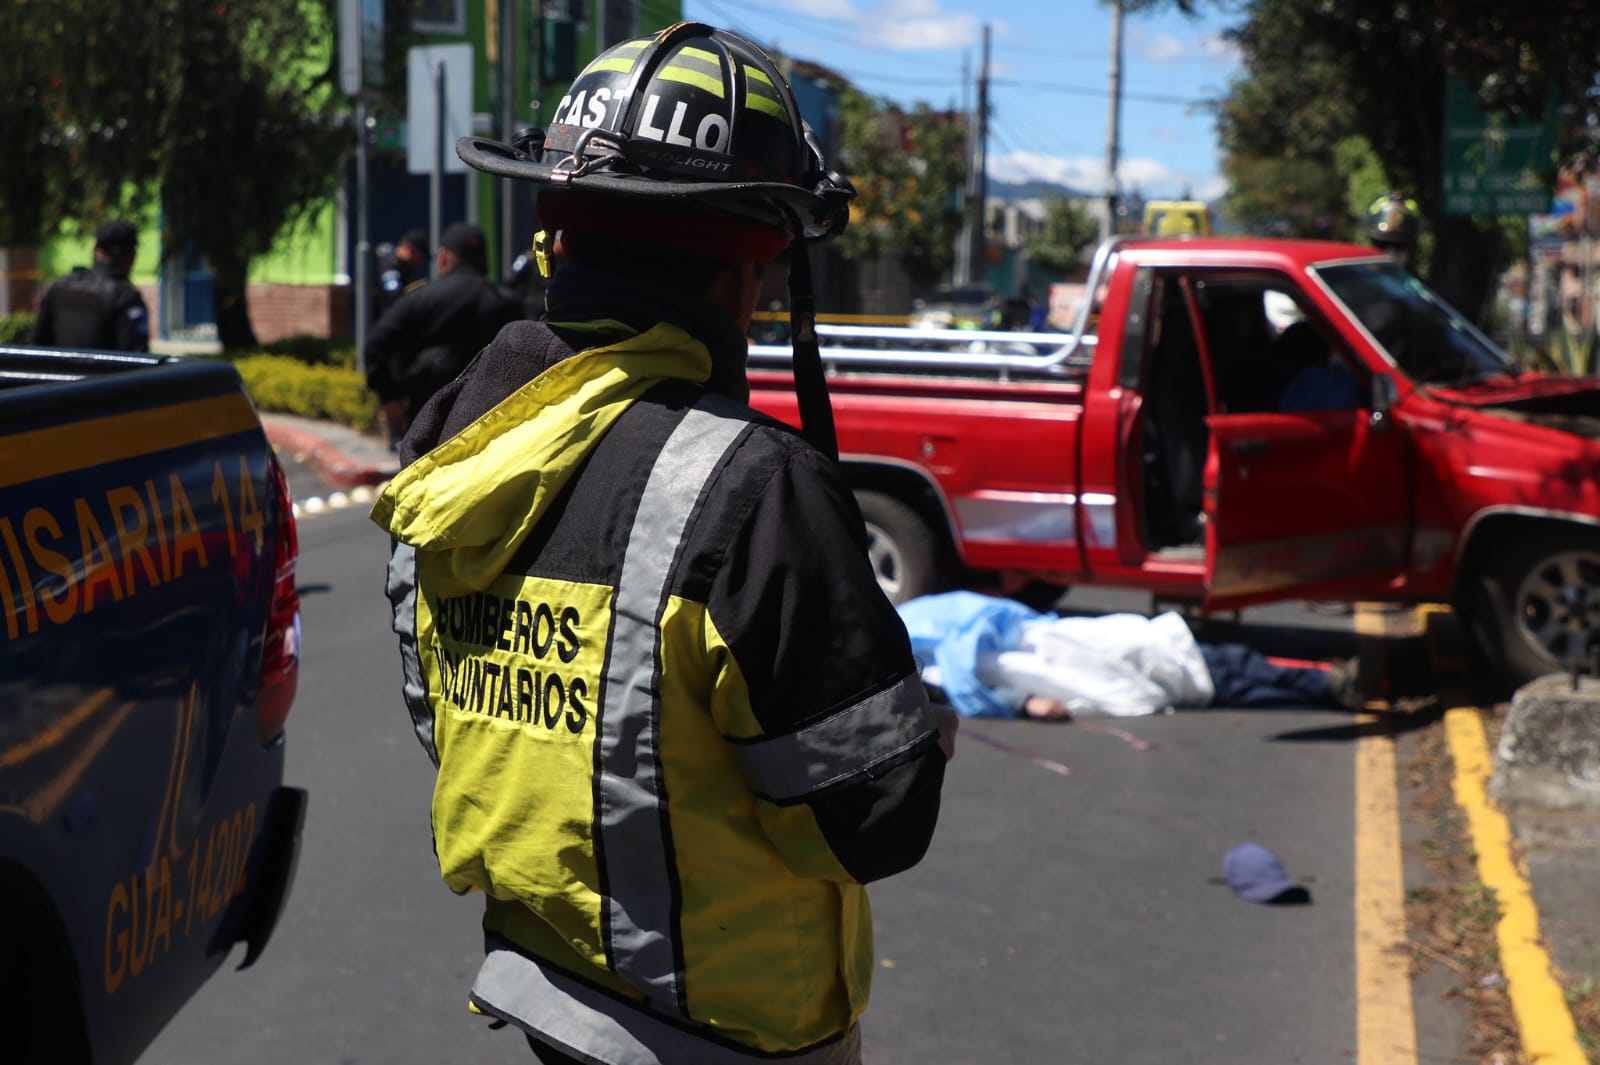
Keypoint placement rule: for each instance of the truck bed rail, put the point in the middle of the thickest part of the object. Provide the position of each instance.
(884, 349)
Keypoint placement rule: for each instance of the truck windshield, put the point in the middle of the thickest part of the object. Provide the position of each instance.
(1422, 333)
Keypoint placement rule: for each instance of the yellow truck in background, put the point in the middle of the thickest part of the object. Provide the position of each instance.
(1175, 218)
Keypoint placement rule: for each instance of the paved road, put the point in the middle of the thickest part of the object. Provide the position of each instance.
(1057, 918)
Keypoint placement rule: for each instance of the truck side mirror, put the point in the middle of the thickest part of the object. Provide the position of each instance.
(1383, 396)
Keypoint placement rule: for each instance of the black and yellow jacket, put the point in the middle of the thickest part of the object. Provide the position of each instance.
(676, 723)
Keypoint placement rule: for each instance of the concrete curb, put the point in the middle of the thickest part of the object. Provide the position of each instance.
(343, 463)
(1549, 750)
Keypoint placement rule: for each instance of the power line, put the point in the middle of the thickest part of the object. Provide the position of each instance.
(1084, 90)
(733, 19)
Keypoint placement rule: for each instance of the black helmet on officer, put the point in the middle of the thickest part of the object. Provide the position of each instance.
(689, 140)
(1394, 224)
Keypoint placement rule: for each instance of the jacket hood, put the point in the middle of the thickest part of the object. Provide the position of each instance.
(470, 502)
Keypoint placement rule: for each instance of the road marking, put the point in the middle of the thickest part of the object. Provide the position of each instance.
(1386, 1025)
(1549, 1036)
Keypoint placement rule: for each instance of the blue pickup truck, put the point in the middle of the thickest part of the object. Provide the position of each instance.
(149, 651)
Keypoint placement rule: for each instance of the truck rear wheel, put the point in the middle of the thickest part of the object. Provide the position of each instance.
(903, 550)
(1538, 606)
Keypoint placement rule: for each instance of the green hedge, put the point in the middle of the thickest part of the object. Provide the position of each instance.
(15, 328)
(329, 392)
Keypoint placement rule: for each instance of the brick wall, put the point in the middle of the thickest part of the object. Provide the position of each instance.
(281, 311)
(22, 285)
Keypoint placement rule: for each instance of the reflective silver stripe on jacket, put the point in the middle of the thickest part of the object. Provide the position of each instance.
(587, 1023)
(633, 842)
(401, 584)
(789, 767)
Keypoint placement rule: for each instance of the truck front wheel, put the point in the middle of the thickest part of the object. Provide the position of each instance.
(1538, 607)
(903, 550)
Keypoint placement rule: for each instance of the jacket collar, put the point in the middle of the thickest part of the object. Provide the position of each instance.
(579, 293)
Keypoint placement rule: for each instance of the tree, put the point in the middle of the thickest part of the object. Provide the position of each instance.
(1068, 229)
(1321, 75)
(226, 114)
(908, 170)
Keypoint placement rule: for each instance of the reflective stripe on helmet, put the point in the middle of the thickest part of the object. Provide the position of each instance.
(761, 95)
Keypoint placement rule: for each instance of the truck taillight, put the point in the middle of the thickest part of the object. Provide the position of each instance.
(280, 653)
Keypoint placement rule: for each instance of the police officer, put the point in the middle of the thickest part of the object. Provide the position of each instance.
(1393, 225)
(677, 725)
(431, 332)
(97, 307)
(404, 268)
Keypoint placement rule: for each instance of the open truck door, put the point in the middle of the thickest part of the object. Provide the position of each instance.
(1311, 504)
(1306, 481)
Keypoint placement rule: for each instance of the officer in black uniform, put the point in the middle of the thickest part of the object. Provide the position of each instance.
(97, 307)
(405, 267)
(432, 332)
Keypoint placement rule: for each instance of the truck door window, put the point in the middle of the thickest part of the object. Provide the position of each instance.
(1270, 352)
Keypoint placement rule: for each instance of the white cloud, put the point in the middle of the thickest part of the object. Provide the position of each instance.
(902, 25)
(1159, 48)
(1152, 177)
(838, 10)
(1215, 46)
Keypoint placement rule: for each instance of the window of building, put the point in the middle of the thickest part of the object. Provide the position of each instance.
(440, 16)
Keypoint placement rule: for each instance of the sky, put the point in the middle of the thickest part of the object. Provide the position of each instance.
(1050, 63)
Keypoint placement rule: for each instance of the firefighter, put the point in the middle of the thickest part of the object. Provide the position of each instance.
(677, 726)
(1393, 225)
(97, 306)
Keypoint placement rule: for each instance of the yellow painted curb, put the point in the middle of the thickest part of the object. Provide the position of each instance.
(1549, 1036)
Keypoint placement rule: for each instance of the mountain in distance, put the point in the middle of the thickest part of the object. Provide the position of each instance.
(1031, 190)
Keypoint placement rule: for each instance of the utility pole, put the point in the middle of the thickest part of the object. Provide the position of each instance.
(981, 168)
(508, 93)
(963, 264)
(1109, 222)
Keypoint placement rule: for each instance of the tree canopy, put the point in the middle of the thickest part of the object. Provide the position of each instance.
(1339, 100)
(909, 169)
(1068, 229)
(226, 114)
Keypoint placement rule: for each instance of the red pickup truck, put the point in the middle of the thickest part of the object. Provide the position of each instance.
(1232, 422)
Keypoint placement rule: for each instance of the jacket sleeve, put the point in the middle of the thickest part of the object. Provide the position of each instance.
(44, 325)
(390, 345)
(133, 321)
(821, 700)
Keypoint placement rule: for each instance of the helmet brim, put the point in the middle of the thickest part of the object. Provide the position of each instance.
(773, 202)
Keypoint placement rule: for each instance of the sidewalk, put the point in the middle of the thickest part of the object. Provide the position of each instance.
(341, 456)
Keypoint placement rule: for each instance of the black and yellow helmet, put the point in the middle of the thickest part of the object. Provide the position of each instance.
(1393, 219)
(692, 115)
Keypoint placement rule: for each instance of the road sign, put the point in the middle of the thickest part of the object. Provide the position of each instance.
(1495, 164)
(454, 61)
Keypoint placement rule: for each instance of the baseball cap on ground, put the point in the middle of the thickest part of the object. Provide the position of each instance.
(1256, 874)
(116, 235)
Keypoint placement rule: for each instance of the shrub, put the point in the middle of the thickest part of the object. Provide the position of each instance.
(286, 384)
(15, 328)
(315, 351)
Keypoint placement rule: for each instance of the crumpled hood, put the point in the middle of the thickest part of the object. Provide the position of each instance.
(1563, 403)
(470, 502)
